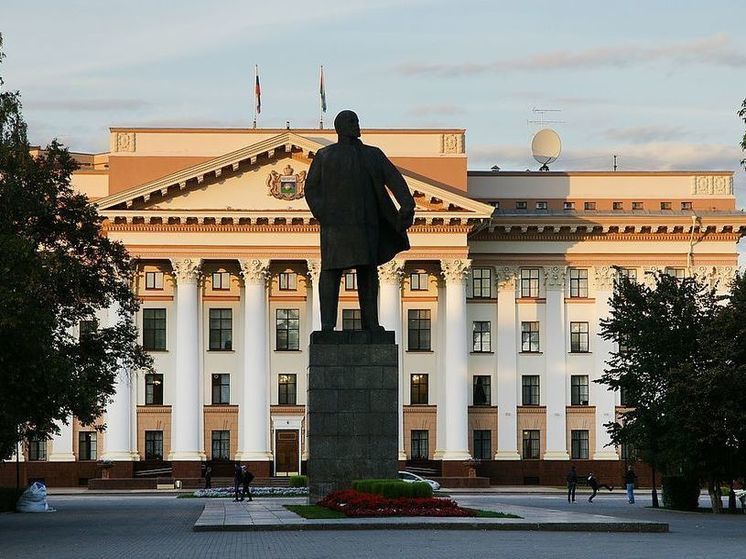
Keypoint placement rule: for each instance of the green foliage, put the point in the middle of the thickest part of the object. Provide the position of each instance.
(8, 498)
(680, 493)
(56, 269)
(298, 481)
(314, 512)
(393, 488)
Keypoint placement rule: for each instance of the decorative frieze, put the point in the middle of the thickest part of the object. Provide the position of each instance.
(392, 271)
(186, 270)
(255, 270)
(605, 277)
(455, 270)
(712, 185)
(506, 277)
(124, 142)
(452, 143)
(648, 276)
(554, 277)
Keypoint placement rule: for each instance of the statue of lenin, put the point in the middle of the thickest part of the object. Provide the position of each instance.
(346, 190)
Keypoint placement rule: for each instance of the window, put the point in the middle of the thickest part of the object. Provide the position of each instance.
(530, 337)
(418, 281)
(154, 390)
(154, 280)
(628, 273)
(678, 273)
(288, 281)
(287, 323)
(617, 205)
(418, 389)
(589, 206)
(638, 206)
(495, 204)
(579, 337)
(568, 206)
(578, 283)
(154, 329)
(418, 327)
(481, 342)
(221, 329)
(531, 444)
(482, 390)
(665, 205)
(481, 282)
(87, 445)
(37, 449)
(579, 390)
(541, 205)
(286, 389)
(686, 206)
(579, 444)
(530, 390)
(350, 280)
(521, 205)
(529, 282)
(351, 319)
(221, 445)
(419, 444)
(221, 388)
(87, 328)
(153, 445)
(482, 444)
(221, 281)
(623, 400)
(627, 452)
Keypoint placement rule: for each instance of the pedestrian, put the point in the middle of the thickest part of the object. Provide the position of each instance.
(237, 480)
(630, 477)
(572, 483)
(594, 485)
(247, 478)
(208, 477)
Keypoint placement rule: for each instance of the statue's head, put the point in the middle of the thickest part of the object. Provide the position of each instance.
(347, 124)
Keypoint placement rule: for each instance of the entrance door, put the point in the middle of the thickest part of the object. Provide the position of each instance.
(286, 451)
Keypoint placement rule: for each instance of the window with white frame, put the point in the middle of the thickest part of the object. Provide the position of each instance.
(578, 283)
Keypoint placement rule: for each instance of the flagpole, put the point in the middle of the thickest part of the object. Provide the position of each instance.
(256, 78)
(321, 98)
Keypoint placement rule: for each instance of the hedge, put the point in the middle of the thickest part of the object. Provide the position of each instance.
(298, 481)
(8, 498)
(393, 488)
(680, 493)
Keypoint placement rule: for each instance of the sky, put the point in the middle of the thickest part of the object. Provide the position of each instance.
(656, 83)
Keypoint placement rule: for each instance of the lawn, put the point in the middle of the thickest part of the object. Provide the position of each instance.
(318, 512)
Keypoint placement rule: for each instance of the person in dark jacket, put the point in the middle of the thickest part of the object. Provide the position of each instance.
(595, 486)
(572, 483)
(237, 482)
(346, 191)
(247, 477)
(630, 477)
(208, 478)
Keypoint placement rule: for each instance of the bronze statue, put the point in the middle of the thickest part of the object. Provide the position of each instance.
(360, 225)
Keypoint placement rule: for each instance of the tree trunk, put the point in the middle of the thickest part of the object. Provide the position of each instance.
(654, 494)
(713, 488)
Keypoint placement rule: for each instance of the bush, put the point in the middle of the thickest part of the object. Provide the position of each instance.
(393, 488)
(298, 481)
(680, 493)
(8, 498)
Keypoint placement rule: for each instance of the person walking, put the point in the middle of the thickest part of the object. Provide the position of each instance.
(630, 477)
(208, 477)
(572, 483)
(595, 486)
(237, 481)
(247, 478)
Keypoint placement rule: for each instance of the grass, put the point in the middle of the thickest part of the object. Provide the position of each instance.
(493, 514)
(314, 512)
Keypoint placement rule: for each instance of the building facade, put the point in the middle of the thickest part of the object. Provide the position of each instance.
(496, 307)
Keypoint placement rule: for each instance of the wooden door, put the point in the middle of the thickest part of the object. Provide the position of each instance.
(286, 451)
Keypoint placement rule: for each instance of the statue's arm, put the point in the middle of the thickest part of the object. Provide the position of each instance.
(398, 187)
(313, 188)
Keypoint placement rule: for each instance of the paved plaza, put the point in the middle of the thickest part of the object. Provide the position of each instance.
(120, 526)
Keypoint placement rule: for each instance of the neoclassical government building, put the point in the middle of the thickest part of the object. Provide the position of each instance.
(496, 307)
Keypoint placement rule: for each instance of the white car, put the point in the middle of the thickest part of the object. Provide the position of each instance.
(409, 477)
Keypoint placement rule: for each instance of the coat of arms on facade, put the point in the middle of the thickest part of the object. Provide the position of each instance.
(288, 186)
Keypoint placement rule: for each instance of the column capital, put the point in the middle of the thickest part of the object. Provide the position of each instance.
(391, 271)
(722, 276)
(314, 269)
(254, 270)
(648, 276)
(455, 270)
(506, 277)
(554, 277)
(186, 270)
(604, 277)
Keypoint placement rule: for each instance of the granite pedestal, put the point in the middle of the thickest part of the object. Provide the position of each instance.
(353, 425)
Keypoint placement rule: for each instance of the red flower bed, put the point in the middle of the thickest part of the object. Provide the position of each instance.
(355, 504)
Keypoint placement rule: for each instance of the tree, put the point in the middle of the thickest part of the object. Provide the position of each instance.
(56, 270)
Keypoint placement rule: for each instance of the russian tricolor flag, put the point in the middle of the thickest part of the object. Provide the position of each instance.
(258, 92)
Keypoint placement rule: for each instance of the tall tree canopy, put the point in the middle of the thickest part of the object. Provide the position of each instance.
(56, 270)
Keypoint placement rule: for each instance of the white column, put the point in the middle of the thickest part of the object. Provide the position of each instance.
(186, 409)
(62, 443)
(453, 407)
(390, 317)
(314, 271)
(602, 398)
(119, 441)
(507, 366)
(556, 371)
(253, 410)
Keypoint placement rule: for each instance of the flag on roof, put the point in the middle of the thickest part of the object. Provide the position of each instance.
(322, 92)
(258, 92)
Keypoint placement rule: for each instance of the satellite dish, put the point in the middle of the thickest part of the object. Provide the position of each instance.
(546, 147)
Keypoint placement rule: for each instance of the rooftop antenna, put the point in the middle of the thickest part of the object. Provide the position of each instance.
(539, 119)
(546, 147)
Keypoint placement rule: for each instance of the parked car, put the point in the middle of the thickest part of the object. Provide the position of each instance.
(411, 478)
